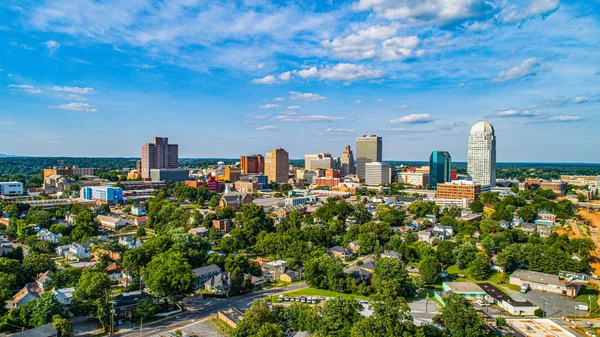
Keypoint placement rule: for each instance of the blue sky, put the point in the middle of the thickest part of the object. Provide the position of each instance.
(221, 79)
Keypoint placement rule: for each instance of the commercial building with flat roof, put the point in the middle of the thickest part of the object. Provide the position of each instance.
(414, 178)
(174, 174)
(542, 282)
(102, 194)
(252, 164)
(377, 173)
(158, 155)
(368, 149)
(277, 165)
(458, 189)
(440, 163)
(11, 188)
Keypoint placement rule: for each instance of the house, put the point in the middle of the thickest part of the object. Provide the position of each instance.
(74, 251)
(542, 282)
(199, 231)
(48, 236)
(544, 231)
(64, 296)
(235, 199)
(340, 252)
(443, 231)
(283, 212)
(230, 316)
(357, 274)
(273, 270)
(138, 210)
(514, 307)
(130, 241)
(257, 281)
(290, 276)
(529, 228)
(468, 290)
(140, 221)
(354, 246)
(125, 303)
(425, 236)
(369, 266)
(391, 254)
(516, 222)
(223, 225)
(31, 291)
(114, 272)
(546, 216)
(46, 330)
(219, 284)
(476, 235)
(504, 224)
(114, 256)
(203, 274)
(110, 222)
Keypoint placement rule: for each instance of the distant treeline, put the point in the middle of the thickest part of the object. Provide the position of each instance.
(29, 166)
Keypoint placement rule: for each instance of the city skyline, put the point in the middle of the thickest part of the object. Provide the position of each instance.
(79, 80)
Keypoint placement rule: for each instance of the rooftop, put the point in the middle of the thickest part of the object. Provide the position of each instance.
(464, 287)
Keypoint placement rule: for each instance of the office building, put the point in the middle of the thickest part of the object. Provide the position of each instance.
(11, 188)
(327, 181)
(277, 165)
(368, 149)
(417, 179)
(481, 159)
(102, 194)
(440, 167)
(377, 173)
(459, 189)
(159, 155)
(176, 175)
(322, 160)
(230, 174)
(347, 163)
(69, 171)
(253, 164)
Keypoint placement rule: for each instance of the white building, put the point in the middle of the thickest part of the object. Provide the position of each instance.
(48, 236)
(377, 173)
(481, 159)
(11, 188)
(414, 178)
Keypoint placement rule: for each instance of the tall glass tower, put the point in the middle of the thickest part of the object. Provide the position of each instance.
(440, 165)
(481, 159)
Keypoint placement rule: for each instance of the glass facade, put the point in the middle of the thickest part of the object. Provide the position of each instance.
(440, 165)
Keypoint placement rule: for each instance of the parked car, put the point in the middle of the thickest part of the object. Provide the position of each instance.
(525, 288)
(582, 307)
(286, 298)
(280, 298)
(482, 303)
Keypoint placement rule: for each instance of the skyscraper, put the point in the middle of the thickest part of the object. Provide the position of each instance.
(159, 155)
(277, 166)
(347, 161)
(368, 149)
(481, 159)
(377, 173)
(440, 163)
(252, 164)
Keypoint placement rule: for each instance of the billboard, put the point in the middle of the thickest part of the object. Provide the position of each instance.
(573, 278)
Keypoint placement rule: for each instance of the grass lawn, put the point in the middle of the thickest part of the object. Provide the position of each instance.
(499, 280)
(321, 292)
(220, 326)
(592, 292)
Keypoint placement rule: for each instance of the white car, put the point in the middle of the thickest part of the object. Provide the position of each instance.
(482, 303)
(582, 307)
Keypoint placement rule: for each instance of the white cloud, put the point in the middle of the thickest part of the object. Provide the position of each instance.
(52, 45)
(310, 118)
(31, 89)
(528, 68)
(479, 26)
(75, 106)
(266, 127)
(269, 106)
(516, 113)
(558, 119)
(346, 72)
(260, 66)
(269, 79)
(443, 12)
(518, 12)
(414, 119)
(339, 130)
(263, 116)
(358, 101)
(74, 90)
(306, 96)
(404, 107)
(580, 99)
(361, 45)
(399, 48)
(285, 76)
(279, 99)
(293, 107)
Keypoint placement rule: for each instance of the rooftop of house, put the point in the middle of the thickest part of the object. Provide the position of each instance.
(464, 287)
(211, 268)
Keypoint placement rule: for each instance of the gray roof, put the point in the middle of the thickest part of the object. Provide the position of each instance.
(537, 277)
(211, 268)
(46, 330)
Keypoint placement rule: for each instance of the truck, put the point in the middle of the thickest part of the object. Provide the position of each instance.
(525, 288)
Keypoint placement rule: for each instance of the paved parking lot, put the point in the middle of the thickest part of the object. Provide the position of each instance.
(554, 305)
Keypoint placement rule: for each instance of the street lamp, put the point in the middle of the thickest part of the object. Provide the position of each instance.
(426, 302)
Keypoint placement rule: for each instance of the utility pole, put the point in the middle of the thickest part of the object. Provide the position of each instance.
(112, 315)
(141, 325)
(426, 302)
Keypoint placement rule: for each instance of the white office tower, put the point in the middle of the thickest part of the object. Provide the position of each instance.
(481, 159)
(377, 173)
(368, 149)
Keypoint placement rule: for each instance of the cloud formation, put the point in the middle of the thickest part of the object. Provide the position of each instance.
(528, 68)
(75, 106)
(74, 90)
(311, 118)
(516, 113)
(52, 46)
(346, 72)
(306, 96)
(266, 127)
(28, 88)
(269, 79)
(269, 106)
(414, 119)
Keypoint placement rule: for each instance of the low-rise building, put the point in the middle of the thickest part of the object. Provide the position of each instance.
(223, 225)
(203, 274)
(219, 284)
(74, 251)
(11, 188)
(235, 199)
(230, 316)
(125, 303)
(199, 231)
(290, 276)
(458, 189)
(111, 222)
(468, 290)
(513, 307)
(418, 179)
(340, 252)
(48, 236)
(273, 270)
(102, 194)
(542, 282)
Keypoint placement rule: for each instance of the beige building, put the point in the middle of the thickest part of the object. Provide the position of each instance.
(368, 149)
(414, 178)
(159, 155)
(347, 165)
(377, 173)
(277, 166)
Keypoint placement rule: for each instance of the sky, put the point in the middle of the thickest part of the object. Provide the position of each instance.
(230, 78)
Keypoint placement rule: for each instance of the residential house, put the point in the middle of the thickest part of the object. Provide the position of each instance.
(235, 199)
(257, 281)
(199, 231)
(48, 236)
(130, 241)
(114, 256)
(31, 291)
(223, 225)
(273, 270)
(46, 330)
(64, 296)
(425, 236)
(544, 231)
(283, 212)
(444, 231)
(391, 254)
(111, 223)
(114, 272)
(546, 216)
(504, 224)
(290, 276)
(138, 210)
(354, 246)
(140, 221)
(357, 274)
(369, 267)
(125, 303)
(516, 222)
(219, 284)
(203, 274)
(74, 251)
(340, 252)
(529, 228)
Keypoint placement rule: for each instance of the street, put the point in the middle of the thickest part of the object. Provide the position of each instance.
(200, 310)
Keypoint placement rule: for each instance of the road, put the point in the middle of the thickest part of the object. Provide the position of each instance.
(200, 310)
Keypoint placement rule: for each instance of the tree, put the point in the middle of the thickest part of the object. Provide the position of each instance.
(390, 318)
(527, 213)
(169, 275)
(489, 198)
(91, 296)
(325, 272)
(145, 309)
(430, 270)
(338, 315)
(226, 212)
(254, 318)
(464, 254)
(270, 329)
(391, 279)
(237, 281)
(460, 319)
(214, 201)
(480, 267)
(477, 206)
(62, 325)
(44, 308)
(445, 251)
